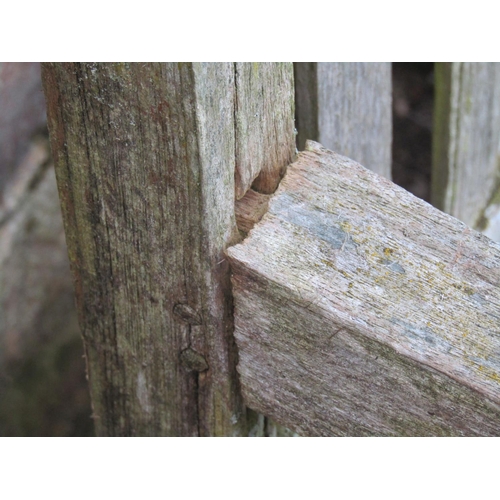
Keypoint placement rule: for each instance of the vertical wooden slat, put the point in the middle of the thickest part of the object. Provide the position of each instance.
(347, 108)
(265, 142)
(145, 157)
(466, 144)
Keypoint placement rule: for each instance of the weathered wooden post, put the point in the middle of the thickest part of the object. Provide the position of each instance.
(146, 156)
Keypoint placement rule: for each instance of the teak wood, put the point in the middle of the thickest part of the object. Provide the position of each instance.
(362, 310)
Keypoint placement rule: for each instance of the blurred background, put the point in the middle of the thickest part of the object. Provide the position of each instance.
(42, 373)
(43, 388)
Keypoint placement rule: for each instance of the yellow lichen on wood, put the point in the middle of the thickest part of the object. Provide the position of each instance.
(407, 296)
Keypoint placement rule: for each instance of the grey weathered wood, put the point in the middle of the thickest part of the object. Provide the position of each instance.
(265, 141)
(362, 310)
(347, 107)
(466, 144)
(144, 157)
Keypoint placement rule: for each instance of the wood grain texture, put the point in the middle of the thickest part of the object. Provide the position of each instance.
(362, 310)
(347, 107)
(144, 158)
(466, 144)
(250, 209)
(264, 114)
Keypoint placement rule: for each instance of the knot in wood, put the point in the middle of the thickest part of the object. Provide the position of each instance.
(187, 313)
(193, 360)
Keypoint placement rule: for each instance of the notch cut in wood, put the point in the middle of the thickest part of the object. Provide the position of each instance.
(250, 209)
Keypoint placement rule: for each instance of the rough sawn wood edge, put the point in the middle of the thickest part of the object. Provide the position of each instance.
(362, 310)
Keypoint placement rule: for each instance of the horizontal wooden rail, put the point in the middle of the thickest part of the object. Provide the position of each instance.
(362, 310)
